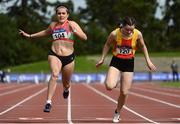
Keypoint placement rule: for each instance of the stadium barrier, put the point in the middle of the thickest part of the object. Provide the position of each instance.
(88, 78)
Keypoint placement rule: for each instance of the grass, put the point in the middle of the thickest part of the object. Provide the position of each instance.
(36, 67)
(170, 84)
(86, 64)
(82, 65)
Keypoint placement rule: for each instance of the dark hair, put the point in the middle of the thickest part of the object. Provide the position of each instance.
(127, 21)
(63, 6)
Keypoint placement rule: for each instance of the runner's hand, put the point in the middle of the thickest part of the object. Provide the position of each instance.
(99, 63)
(21, 32)
(151, 66)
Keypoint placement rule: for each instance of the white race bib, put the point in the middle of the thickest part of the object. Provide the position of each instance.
(123, 50)
(60, 33)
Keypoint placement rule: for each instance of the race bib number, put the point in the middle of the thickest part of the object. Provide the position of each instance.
(57, 34)
(124, 50)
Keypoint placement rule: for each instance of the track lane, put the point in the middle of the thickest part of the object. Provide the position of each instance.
(87, 106)
(156, 87)
(94, 108)
(137, 117)
(12, 97)
(31, 111)
(154, 110)
(159, 96)
(9, 87)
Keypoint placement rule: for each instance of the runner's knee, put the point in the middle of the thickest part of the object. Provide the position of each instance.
(109, 86)
(54, 76)
(125, 92)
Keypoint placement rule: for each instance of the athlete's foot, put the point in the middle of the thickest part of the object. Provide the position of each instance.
(66, 93)
(116, 117)
(48, 107)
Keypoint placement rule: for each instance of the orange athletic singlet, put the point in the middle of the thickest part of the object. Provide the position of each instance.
(62, 32)
(125, 48)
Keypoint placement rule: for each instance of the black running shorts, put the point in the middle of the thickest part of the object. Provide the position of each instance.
(124, 65)
(64, 59)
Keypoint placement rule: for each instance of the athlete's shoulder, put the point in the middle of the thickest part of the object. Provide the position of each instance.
(116, 30)
(52, 24)
(113, 33)
(138, 32)
(73, 23)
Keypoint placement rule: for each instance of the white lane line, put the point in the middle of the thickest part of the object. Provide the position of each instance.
(176, 119)
(109, 98)
(69, 108)
(104, 119)
(17, 90)
(29, 118)
(153, 99)
(165, 89)
(28, 98)
(157, 92)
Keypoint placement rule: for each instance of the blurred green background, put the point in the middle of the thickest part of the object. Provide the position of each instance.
(97, 19)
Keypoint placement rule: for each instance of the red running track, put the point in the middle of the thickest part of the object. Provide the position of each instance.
(88, 103)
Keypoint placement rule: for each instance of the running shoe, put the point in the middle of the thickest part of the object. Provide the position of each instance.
(47, 107)
(116, 117)
(66, 94)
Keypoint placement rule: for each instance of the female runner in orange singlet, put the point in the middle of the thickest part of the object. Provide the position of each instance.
(125, 39)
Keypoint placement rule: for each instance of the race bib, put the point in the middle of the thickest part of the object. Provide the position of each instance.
(124, 50)
(60, 33)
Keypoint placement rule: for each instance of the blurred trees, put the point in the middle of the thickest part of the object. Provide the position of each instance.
(97, 20)
(103, 16)
(30, 16)
(172, 21)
